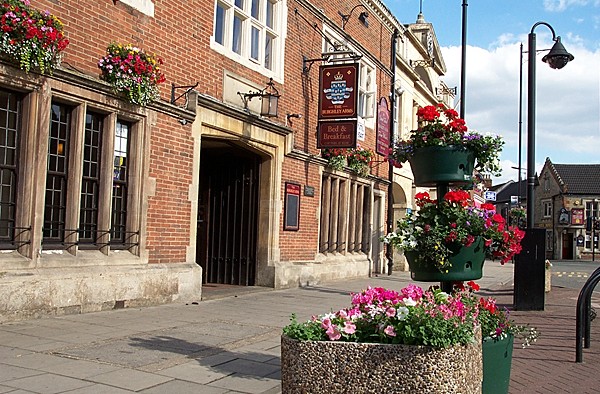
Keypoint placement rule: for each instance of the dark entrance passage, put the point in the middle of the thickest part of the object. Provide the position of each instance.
(567, 246)
(227, 214)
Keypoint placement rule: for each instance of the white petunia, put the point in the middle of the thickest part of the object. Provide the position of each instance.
(402, 313)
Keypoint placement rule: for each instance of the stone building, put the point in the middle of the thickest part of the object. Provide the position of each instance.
(199, 187)
(566, 196)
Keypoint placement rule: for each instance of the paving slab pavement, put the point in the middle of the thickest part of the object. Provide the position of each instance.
(230, 344)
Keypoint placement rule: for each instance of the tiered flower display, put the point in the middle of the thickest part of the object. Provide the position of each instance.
(411, 317)
(31, 38)
(443, 127)
(132, 72)
(436, 230)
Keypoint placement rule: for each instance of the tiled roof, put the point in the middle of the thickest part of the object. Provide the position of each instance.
(512, 189)
(578, 178)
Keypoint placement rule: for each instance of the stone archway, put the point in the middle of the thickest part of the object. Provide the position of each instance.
(400, 205)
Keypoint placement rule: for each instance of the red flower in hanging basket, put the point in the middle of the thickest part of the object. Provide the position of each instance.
(440, 126)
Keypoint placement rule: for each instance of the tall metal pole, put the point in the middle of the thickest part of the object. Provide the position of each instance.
(463, 71)
(531, 129)
(390, 201)
(520, 121)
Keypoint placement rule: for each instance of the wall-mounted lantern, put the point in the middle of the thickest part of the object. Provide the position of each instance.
(269, 97)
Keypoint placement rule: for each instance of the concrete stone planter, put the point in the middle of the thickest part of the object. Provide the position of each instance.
(343, 367)
(548, 281)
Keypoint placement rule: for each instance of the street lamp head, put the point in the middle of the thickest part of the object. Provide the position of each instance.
(558, 57)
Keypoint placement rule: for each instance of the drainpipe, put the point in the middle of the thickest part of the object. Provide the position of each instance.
(390, 202)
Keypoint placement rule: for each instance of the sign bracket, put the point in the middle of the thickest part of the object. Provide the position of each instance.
(329, 57)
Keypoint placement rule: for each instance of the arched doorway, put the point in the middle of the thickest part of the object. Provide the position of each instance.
(400, 206)
(227, 213)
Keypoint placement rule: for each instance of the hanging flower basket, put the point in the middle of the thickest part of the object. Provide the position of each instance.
(357, 159)
(449, 239)
(336, 158)
(440, 127)
(133, 73)
(466, 264)
(451, 165)
(31, 38)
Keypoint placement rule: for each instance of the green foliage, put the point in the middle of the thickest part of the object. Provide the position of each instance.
(412, 317)
(303, 331)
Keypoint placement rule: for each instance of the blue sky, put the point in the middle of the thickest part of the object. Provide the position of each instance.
(568, 100)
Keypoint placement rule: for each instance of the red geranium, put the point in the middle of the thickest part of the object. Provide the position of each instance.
(33, 39)
(437, 230)
(441, 126)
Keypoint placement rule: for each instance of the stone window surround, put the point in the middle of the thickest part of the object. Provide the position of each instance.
(547, 208)
(144, 6)
(37, 95)
(278, 50)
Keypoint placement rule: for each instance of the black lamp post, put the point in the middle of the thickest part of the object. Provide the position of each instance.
(520, 120)
(557, 58)
(529, 271)
(463, 60)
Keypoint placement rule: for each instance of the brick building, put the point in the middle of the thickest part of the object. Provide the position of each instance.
(211, 186)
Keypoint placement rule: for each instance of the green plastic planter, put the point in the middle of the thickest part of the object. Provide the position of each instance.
(467, 264)
(497, 361)
(451, 165)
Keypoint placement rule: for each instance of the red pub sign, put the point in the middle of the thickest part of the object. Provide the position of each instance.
(337, 134)
(338, 91)
(577, 216)
(383, 127)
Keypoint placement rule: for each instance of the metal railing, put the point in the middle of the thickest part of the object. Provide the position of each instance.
(584, 315)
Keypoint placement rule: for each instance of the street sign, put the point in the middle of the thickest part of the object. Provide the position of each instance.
(514, 200)
(490, 196)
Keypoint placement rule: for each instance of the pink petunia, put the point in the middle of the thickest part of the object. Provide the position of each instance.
(333, 333)
(349, 328)
(390, 312)
(389, 331)
(326, 323)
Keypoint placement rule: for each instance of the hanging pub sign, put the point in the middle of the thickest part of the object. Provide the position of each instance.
(577, 217)
(337, 134)
(338, 91)
(383, 127)
(563, 216)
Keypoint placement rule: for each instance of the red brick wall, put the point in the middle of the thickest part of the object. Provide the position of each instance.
(180, 34)
(301, 96)
(171, 153)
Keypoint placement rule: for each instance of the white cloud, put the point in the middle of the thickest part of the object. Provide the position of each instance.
(562, 5)
(567, 100)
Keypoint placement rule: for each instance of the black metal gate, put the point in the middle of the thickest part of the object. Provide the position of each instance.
(228, 216)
